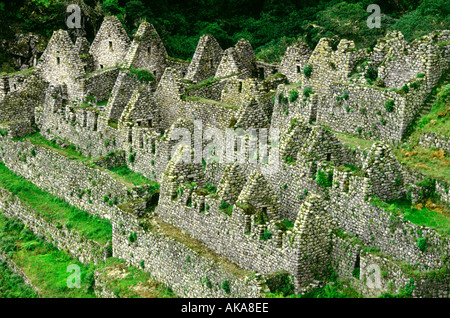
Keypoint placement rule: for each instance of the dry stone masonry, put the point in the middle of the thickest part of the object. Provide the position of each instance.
(299, 210)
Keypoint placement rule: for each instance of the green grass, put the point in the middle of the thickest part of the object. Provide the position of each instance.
(430, 162)
(135, 283)
(122, 173)
(336, 289)
(353, 141)
(43, 264)
(209, 101)
(12, 285)
(46, 267)
(55, 210)
(128, 175)
(70, 152)
(440, 222)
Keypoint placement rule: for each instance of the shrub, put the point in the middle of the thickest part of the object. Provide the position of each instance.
(389, 105)
(415, 85)
(266, 235)
(323, 179)
(422, 244)
(293, 95)
(226, 286)
(308, 91)
(141, 75)
(420, 75)
(133, 237)
(307, 70)
(131, 157)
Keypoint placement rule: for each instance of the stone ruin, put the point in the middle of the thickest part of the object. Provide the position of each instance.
(295, 208)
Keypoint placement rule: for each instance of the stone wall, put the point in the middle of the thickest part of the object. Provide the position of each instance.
(189, 271)
(64, 239)
(71, 180)
(433, 140)
(99, 84)
(110, 45)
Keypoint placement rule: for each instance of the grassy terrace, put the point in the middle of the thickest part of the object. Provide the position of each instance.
(55, 210)
(122, 174)
(209, 101)
(431, 162)
(353, 141)
(125, 174)
(431, 215)
(46, 267)
(12, 285)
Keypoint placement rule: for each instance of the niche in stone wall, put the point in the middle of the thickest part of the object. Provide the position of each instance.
(298, 69)
(261, 72)
(346, 185)
(111, 46)
(357, 268)
(240, 87)
(149, 50)
(58, 60)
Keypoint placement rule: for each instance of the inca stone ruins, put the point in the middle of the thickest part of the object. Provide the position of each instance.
(250, 185)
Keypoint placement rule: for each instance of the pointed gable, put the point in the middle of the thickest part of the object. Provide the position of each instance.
(206, 59)
(61, 65)
(147, 51)
(111, 44)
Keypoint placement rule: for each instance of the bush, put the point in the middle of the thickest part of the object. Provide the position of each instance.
(308, 91)
(422, 244)
(307, 70)
(226, 286)
(293, 95)
(389, 105)
(142, 76)
(323, 179)
(133, 237)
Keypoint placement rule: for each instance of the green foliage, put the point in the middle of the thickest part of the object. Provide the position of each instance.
(389, 105)
(430, 15)
(307, 91)
(211, 188)
(307, 70)
(142, 76)
(422, 243)
(3, 132)
(53, 209)
(132, 237)
(226, 286)
(293, 95)
(227, 208)
(324, 179)
(12, 285)
(266, 235)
